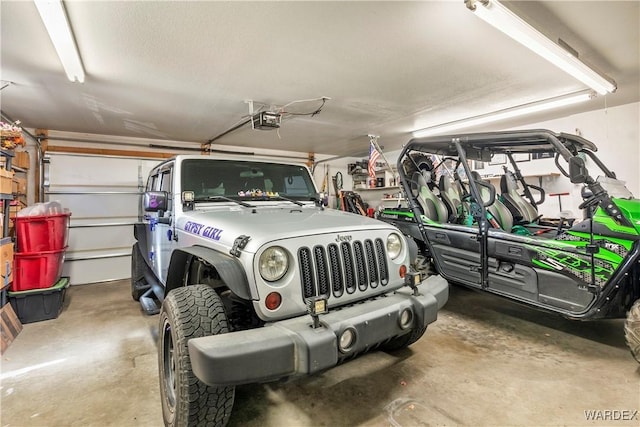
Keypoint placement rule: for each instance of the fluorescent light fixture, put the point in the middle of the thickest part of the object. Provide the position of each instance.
(55, 21)
(507, 113)
(497, 15)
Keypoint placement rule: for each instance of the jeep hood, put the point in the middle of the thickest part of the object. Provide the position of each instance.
(265, 224)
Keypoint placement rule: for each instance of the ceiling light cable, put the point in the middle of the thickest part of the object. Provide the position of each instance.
(323, 99)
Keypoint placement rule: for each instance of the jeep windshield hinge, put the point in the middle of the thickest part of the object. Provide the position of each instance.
(238, 245)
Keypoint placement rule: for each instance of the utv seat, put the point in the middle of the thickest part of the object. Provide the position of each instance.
(432, 207)
(521, 208)
(498, 210)
(451, 194)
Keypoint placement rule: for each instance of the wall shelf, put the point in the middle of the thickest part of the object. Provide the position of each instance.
(378, 188)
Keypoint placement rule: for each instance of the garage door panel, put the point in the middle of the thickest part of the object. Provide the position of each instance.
(84, 238)
(97, 270)
(98, 171)
(99, 205)
(103, 195)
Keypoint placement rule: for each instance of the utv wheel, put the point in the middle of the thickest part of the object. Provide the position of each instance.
(632, 330)
(419, 162)
(405, 340)
(138, 283)
(190, 312)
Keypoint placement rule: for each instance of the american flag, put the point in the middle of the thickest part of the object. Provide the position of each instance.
(374, 155)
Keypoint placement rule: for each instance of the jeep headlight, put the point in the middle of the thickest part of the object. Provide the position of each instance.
(394, 245)
(273, 263)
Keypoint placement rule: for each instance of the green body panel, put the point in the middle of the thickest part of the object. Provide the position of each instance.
(631, 210)
(409, 215)
(570, 254)
(579, 265)
(609, 222)
(627, 244)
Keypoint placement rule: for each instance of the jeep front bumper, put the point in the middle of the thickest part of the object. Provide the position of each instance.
(293, 348)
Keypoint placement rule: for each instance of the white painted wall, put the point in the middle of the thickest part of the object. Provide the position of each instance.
(616, 132)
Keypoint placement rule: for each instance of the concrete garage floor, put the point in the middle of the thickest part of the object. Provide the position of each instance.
(485, 362)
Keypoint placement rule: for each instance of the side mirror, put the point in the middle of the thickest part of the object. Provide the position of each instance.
(155, 201)
(578, 173)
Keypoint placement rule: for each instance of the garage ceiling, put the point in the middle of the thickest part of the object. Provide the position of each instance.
(182, 71)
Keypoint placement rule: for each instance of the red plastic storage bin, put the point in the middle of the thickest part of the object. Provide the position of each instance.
(37, 270)
(42, 233)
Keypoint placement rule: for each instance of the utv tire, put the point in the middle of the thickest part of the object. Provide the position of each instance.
(632, 330)
(138, 283)
(419, 162)
(405, 340)
(190, 312)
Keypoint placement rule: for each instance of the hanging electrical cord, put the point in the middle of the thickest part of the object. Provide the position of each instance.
(323, 99)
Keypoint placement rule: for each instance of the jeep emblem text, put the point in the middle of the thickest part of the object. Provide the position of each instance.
(343, 238)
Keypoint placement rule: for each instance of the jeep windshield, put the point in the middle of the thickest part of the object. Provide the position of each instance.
(213, 180)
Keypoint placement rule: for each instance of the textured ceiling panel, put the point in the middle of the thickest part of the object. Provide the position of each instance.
(183, 70)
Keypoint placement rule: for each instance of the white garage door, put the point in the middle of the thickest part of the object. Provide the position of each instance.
(103, 195)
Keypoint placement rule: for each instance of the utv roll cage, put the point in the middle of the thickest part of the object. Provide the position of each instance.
(481, 147)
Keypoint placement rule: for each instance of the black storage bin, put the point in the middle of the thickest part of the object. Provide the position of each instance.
(36, 305)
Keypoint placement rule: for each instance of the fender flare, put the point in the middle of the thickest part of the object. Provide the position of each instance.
(228, 267)
(140, 235)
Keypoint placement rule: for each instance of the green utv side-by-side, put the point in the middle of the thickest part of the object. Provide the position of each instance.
(586, 268)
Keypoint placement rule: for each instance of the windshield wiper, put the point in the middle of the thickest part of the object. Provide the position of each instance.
(318, 202)
(222, 198)
(286, 200)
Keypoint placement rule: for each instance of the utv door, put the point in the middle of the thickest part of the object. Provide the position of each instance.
(456, 250)
(541, 271)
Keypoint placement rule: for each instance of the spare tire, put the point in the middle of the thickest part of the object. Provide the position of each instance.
(632, 330)
(418, 162)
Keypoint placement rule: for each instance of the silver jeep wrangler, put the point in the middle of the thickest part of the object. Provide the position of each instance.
(256, 281)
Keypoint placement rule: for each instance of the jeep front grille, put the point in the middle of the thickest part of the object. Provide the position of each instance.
(346, 267)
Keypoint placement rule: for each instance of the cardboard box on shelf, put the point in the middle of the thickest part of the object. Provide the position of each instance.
(6, 178)
(15, 207)
(19, 185)
(6, 263)
(21, 159)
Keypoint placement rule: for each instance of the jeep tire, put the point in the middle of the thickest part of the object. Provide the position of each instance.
(632, 330)
(139, 284)
(190, 312)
